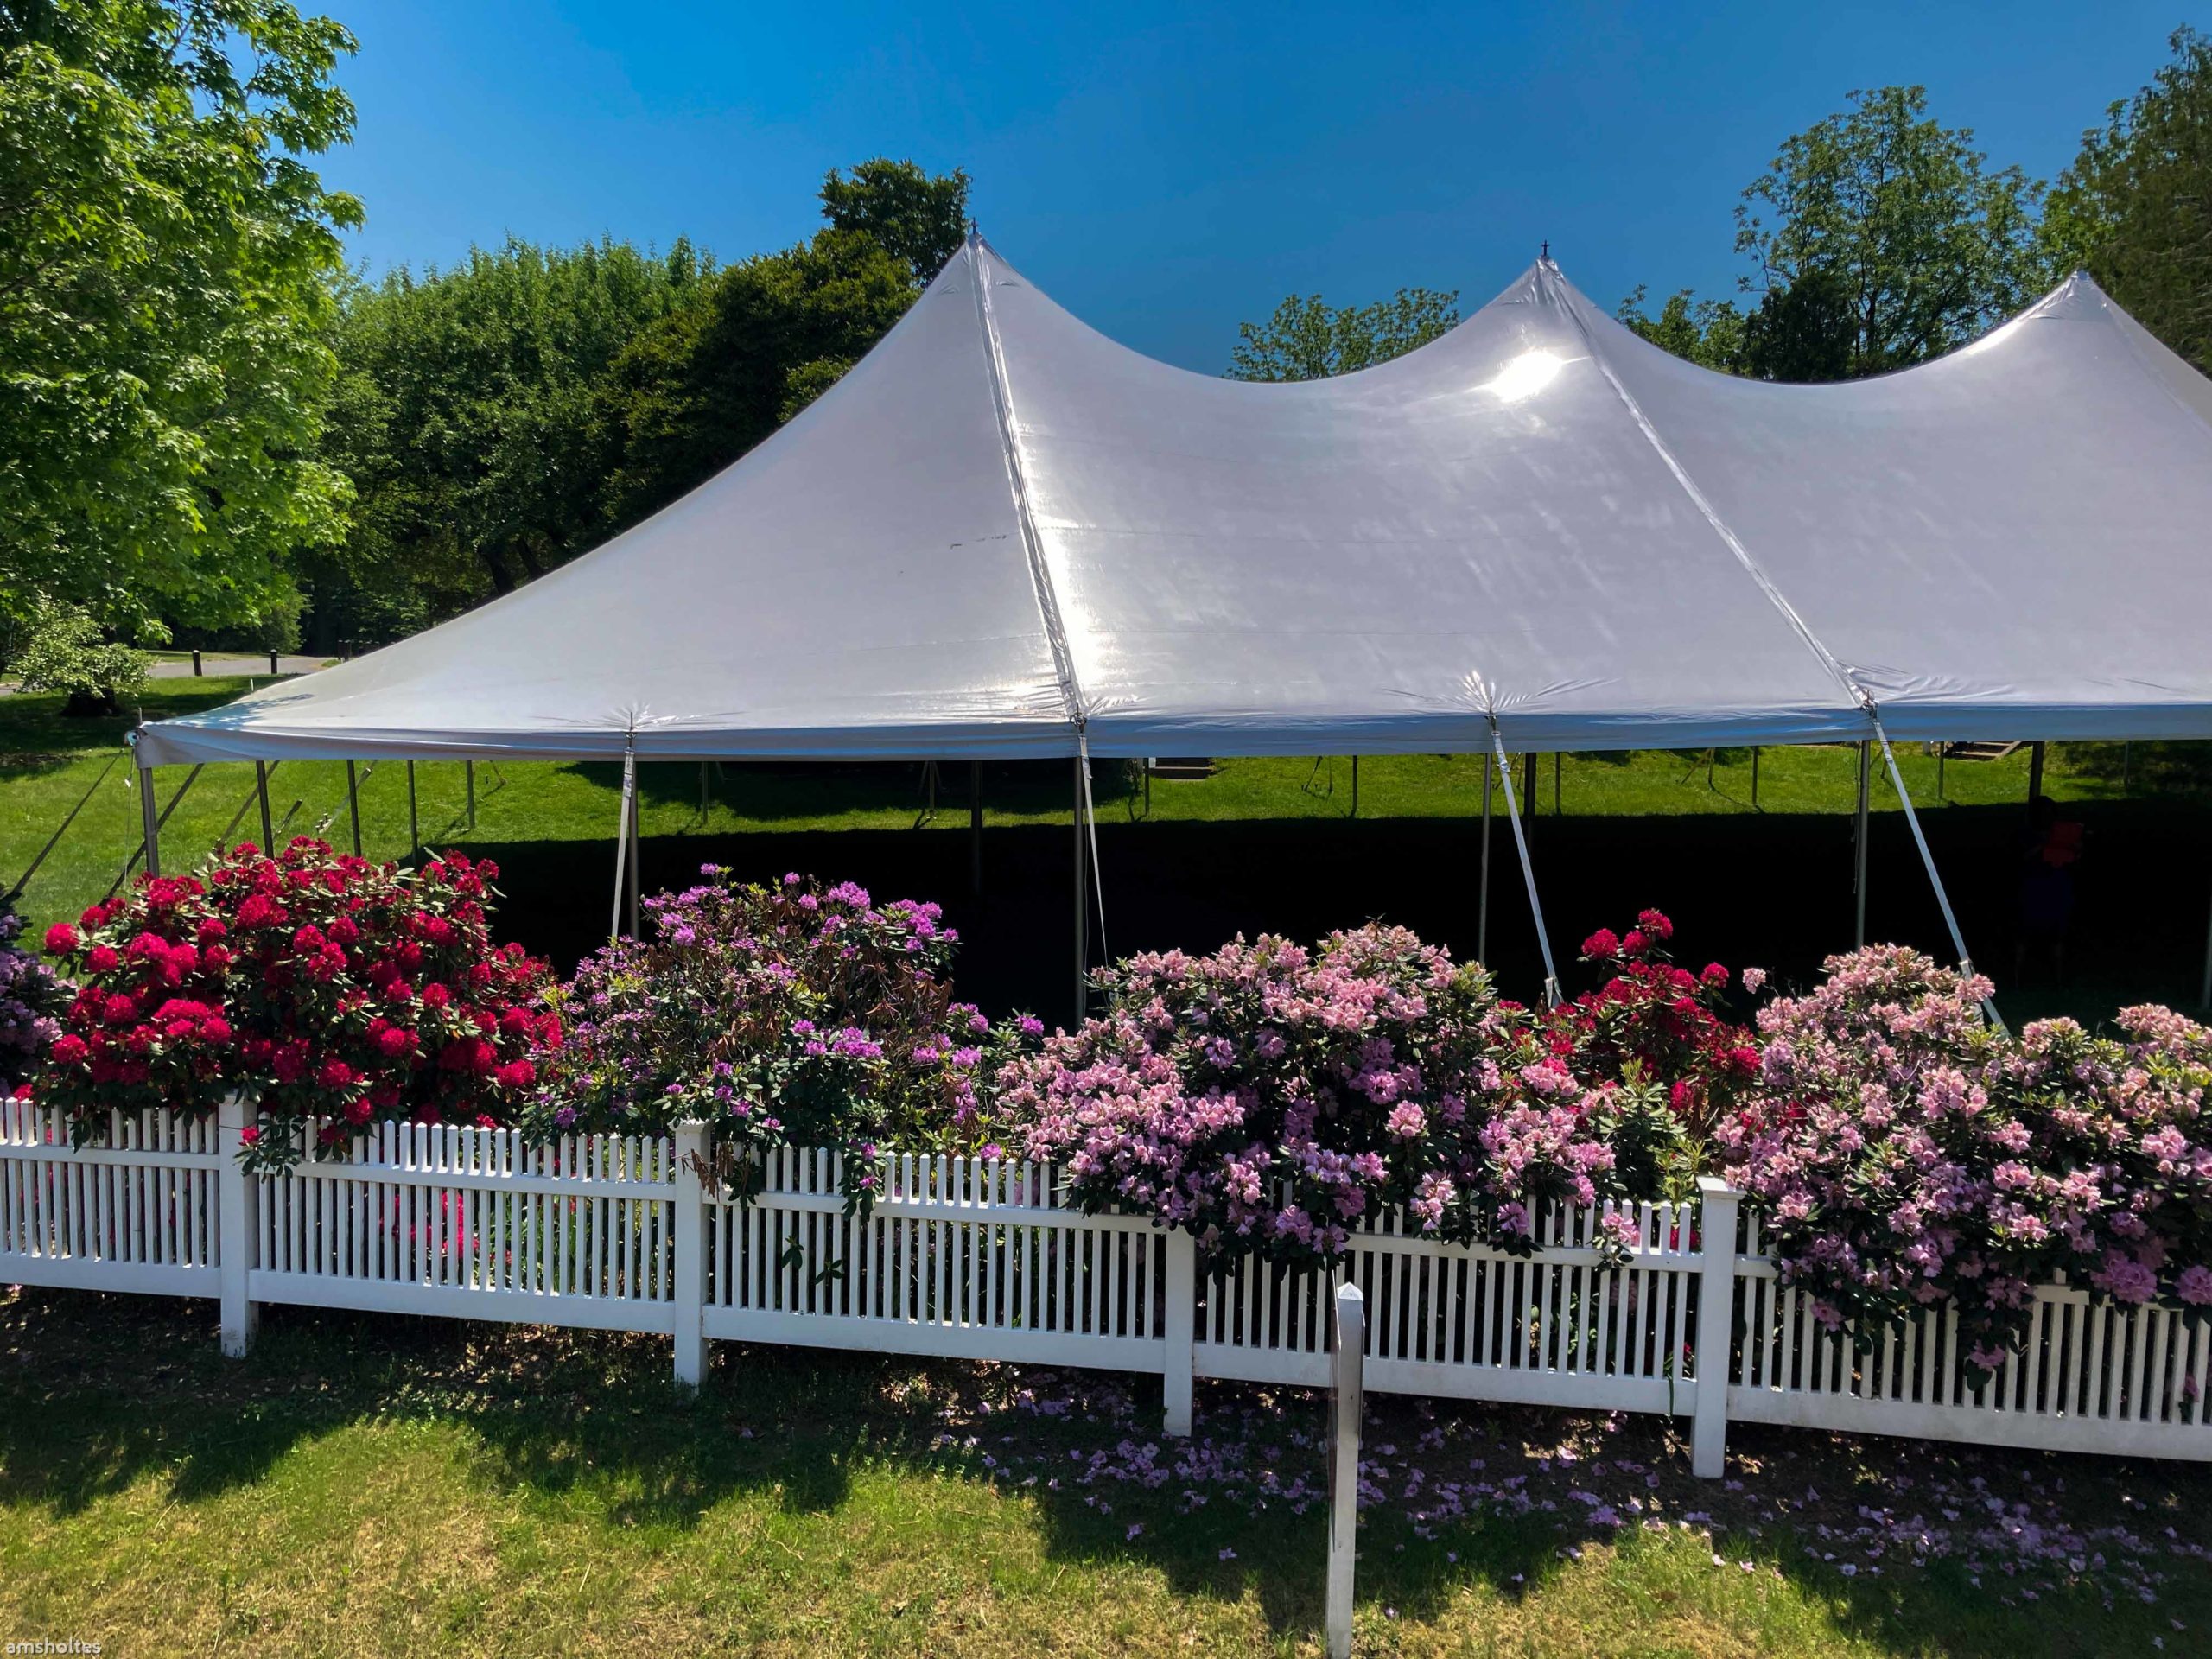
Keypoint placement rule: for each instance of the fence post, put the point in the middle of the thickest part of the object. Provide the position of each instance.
(692, 1139)
(1182, 1305)
(1716, 1324)
(238, 1218)
(1347, 1382)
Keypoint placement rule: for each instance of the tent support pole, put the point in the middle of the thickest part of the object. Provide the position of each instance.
(468, 770)
(637, 858)
(149, 820)
(975, 826)
(353, 805)
(1528, 870)
(622, 837)
(414, 822)
(1942, 898)
(1859, 846)
(1755, 777)
(261, 787)
(1482, 901)
(1528, 784)
(1081, 897)
(2204, 996)
(2035, 772)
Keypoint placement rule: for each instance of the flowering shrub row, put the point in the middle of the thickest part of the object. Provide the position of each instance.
(1269, 1097)
(321, 986)
(1906, 1154)
(791, 1014)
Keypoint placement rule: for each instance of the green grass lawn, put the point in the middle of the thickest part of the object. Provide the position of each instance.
(1263, 843)
(366, 1484)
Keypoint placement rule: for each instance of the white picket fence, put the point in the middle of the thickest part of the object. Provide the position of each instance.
(975, 1259)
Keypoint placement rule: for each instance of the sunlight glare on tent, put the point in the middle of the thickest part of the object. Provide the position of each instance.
(1525, 375)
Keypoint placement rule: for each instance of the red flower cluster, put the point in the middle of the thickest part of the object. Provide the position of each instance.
(324, 985)
(1658, 1021)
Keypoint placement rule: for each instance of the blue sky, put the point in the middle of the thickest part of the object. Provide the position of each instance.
(1165, 172)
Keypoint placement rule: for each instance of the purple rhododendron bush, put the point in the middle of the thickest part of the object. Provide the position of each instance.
(786, 1014)
(1271, 1097)
(31, 1001)
(1904, 1153)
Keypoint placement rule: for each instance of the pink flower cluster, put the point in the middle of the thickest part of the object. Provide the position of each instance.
(1275, 1098)
(1904, 1154)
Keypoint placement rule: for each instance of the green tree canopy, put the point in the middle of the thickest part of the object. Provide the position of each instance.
(2135, 208)
(166, 257)
(466, 418)
(1707, 331)
(1927, 244)
(700, 388)
(1308, 339)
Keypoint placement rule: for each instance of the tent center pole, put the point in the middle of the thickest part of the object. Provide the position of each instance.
(1528, 870)
(1482, 899)
(261, 787)
(1859, 846)
(976, 827)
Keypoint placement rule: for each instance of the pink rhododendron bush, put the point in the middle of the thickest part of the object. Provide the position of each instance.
(1271, 1098)
(1903, 1153)
(320, 986)
(785, 1014)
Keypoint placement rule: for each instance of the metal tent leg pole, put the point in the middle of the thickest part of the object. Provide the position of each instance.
(149, 820)
(636, 859)
(1943, 898)
(622, 841)
(414, 822)
(1858, 871)
(468, 770)
(2204, 996)
(975, 826)
(1482, 901)
(353, 805)
(1528, 784)
(1528, 870)
(1082, 938)
(2035, 772)
(261, 786)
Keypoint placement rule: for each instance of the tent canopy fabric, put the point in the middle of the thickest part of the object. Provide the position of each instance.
(1001, 534)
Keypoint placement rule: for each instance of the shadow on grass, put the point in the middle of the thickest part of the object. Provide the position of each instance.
(1772, 890)
(100, 1393)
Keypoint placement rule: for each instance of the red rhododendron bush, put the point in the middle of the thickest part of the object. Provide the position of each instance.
(1904, 1154)
(320, 986)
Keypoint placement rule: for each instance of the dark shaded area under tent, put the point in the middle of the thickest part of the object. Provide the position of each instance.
(1772, 890)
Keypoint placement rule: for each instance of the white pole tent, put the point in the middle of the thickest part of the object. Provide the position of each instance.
(1003, 535)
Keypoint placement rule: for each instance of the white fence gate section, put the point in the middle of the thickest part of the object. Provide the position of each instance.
(969, 1258)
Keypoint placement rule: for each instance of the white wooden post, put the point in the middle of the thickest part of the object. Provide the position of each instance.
(693, 1142)
(1182, 1303)
(237, 1219)
(1347, 1367)
(1716, 1323)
